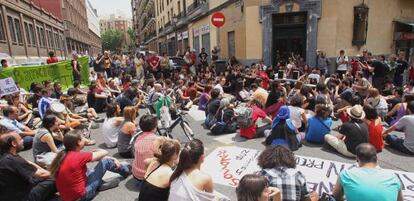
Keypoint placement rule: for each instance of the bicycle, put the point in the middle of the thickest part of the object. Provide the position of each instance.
(180, 120)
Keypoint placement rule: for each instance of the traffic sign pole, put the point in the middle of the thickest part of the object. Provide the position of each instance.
(218, 20)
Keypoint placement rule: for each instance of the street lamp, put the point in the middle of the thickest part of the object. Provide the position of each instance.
(175, 20)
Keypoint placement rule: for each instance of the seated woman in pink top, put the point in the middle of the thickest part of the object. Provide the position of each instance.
(145, 145)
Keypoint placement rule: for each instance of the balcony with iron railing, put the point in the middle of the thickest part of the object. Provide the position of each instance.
(150, 26)
(149, 8)
(197, 5)
(197, 8)
(142, 6)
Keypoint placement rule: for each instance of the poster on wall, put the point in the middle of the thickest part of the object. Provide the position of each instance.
(227, 165)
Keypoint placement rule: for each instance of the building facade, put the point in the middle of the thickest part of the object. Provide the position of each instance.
(95, 44)
(144, 24)
(267, 29)
(28, 32)
(120, 23)
(76, 25)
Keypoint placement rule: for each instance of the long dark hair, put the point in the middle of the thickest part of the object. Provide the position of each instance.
(189, 156)
(71, 141)
(111, 109)
(251, 187)
(48, 122)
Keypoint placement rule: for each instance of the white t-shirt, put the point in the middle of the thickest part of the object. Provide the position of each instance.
(406, 123)
(296, 116)
(342, 67)
(110, 132)
(218, 86)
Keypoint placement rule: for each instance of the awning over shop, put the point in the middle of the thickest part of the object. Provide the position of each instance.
(409, 23)
(404, 30)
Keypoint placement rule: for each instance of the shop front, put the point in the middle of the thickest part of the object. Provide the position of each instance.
(404, 39)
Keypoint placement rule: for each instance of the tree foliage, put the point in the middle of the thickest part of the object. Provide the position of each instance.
(133, 37)
(131, 34)
(112, 40)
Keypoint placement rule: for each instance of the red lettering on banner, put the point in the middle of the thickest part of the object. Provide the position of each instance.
(224, 162)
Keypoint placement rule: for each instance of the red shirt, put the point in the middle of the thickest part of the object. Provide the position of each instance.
(126, 85)
(52, 60)
(71, 178)
(193, 57)
(411, 76)
(375, 135)
(191, 92)
(265, 79)
(250, 132)
(153, 61)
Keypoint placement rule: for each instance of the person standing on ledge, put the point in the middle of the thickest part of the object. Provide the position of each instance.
(52, 58)
(76, 67)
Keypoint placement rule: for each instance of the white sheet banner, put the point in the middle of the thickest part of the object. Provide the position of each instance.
(227, 165)
(7, 86)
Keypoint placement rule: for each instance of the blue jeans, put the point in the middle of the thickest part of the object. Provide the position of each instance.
(94, 177)
(397, 143)
(27, 142)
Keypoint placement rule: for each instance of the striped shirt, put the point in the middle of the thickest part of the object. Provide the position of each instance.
(143, 149)
(44, 104)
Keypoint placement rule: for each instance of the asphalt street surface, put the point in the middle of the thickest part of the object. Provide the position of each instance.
(127, 189)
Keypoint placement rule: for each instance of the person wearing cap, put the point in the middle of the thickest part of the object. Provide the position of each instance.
(52, 58)
(351, 133)
(283, 132)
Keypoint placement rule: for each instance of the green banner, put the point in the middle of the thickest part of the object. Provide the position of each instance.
(62, 71)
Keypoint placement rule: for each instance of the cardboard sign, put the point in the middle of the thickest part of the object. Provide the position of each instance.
(7, 86)
(227, 165)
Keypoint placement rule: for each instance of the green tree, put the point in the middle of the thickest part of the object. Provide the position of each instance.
(112, 40)
(133, 37)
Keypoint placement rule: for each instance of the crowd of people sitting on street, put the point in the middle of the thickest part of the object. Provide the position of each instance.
(287, 105)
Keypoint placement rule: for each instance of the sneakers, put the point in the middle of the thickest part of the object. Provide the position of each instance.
(109, 184)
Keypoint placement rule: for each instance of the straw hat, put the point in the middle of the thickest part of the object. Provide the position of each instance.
(356, 112)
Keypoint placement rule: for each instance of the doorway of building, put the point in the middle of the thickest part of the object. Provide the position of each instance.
(289, 36)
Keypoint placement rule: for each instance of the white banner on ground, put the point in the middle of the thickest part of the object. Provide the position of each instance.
(7, 86)
(227, 165)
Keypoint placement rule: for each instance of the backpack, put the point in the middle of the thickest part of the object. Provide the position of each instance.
(222, 124)
(244, 117)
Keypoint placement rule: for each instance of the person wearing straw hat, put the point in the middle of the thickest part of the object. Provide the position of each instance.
(351, 133)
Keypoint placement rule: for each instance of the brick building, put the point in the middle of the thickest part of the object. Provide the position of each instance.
(76, 25)
(119, 23)
(28, 32)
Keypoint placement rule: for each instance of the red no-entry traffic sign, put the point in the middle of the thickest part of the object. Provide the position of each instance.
(218, 19)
